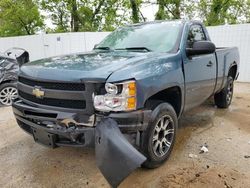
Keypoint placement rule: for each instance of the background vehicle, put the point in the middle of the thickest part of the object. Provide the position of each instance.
(127, 93)
(9, 66)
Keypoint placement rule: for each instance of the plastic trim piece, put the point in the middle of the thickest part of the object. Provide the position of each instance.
(115, 156)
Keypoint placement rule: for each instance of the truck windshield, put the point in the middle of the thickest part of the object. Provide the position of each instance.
(157, 37)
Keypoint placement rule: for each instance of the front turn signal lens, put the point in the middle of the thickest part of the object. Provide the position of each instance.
(132, 89)
(131, 103)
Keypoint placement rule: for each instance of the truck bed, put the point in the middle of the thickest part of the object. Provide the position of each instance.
(225, 57)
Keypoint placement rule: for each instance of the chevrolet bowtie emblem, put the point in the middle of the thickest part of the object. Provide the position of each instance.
(38, 92)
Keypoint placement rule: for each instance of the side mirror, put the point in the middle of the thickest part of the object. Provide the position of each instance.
(201, 47)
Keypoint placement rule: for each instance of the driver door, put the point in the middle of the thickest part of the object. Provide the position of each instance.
(200, 71)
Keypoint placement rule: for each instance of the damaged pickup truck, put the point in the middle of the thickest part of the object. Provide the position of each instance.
(125, 97)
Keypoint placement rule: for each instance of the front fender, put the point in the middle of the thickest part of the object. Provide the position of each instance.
(153, 75)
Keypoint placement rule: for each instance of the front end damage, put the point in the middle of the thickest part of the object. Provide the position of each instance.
(51, 123)
(114, 136)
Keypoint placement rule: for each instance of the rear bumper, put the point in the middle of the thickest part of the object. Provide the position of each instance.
(34, 119)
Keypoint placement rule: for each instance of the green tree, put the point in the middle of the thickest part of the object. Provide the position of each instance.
(168, 9)
(85, 15)
(246, 11)
(74, 15)
(91, 14)
(135, 11)
(63, 13)
(161, 13)
(174, 9)
(58, 13)
(218, 12)
(19, 17)
(113, 14)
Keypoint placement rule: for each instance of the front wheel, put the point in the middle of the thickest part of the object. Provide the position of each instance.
(8, 93)
(159, 138)
(223, 99)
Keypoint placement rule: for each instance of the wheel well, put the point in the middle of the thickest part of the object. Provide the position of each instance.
(171, 95)
(7, 81)
(232, 71)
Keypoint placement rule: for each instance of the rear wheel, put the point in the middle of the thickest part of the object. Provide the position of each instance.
(159, 138)
(223, 99)
(8, 93)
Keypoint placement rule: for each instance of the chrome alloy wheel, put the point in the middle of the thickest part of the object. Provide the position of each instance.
(229, 92)
(8, 94)
(163, 135)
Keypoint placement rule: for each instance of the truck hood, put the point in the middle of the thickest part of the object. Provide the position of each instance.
(78, 67)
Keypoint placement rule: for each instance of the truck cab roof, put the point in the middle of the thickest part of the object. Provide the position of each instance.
(183, 21)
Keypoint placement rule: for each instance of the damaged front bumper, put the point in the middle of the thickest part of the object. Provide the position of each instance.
(44, 124)
(70, 128)
(113, 136)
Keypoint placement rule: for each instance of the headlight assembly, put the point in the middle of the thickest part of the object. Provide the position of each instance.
(119, 97)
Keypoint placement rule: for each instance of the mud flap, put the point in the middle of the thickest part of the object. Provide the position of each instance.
(115, 156)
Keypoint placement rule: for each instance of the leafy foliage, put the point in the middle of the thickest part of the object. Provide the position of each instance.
(19, 17)
(86, 15)
(217, 12)
(22, 17)
(58, 12)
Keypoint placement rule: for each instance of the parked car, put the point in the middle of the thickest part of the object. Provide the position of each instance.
(125, 97)
(9, 66)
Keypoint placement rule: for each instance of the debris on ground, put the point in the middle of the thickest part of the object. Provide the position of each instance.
(204, 149)
(226, 185)
(247, 156)
(197, 175)
(190, 155)
(229, 139)
(249, 142)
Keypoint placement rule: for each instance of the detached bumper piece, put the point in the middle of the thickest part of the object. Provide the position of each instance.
(115, 156)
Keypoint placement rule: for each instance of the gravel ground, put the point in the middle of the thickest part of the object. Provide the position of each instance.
(24, 163)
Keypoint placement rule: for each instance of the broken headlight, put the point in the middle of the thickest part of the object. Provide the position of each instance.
(119, 97)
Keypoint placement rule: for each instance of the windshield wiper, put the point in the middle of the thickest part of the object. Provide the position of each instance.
(135, 49)
(102, 48)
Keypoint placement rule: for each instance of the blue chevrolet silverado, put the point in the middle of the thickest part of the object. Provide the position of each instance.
(125, 96)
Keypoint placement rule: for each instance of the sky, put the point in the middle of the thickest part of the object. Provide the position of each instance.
(149, 11)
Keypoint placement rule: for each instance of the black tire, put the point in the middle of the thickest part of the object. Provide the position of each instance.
(4, 88)
(223, 99)
(154, 158)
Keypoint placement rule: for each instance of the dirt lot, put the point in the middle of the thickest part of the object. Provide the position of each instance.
(226, 132)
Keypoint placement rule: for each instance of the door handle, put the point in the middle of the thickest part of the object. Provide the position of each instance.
(210, 64)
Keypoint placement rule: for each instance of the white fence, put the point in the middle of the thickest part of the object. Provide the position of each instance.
(41, 46)
(235, 35)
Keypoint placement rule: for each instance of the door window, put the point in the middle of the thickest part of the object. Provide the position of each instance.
(195, 34)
